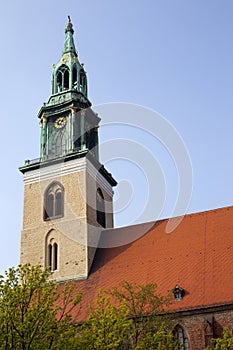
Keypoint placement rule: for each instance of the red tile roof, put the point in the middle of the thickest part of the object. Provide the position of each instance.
(197, 256)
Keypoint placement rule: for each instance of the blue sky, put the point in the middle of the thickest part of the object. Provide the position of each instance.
(172, 56)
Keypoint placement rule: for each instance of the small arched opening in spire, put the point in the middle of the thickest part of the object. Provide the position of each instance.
(59, 81)
(66, 79)
(62, 80)
(83, 82)
(74, 77)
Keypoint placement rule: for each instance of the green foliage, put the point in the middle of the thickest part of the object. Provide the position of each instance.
(162, 339)
(30, 315)
(128, 317)
(107, 326)
(141, 300)
(35, 314)
(225, 343)
(151, 325)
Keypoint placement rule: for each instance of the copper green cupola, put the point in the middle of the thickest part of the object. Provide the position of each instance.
(69, 131)
(68, 126)
(68, 73)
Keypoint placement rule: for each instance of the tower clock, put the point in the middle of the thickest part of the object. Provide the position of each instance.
(67, 191)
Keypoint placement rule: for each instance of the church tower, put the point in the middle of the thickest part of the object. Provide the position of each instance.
(67, 192)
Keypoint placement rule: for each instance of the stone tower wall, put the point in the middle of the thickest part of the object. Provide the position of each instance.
(77, 232)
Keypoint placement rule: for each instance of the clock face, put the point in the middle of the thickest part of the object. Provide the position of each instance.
(60, 122)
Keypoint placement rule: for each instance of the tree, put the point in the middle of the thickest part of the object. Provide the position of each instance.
(34, 312)
(225, 343)
(151, 324)
(107, 326)
(129, 316)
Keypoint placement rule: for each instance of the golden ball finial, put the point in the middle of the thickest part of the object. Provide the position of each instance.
(69, 26)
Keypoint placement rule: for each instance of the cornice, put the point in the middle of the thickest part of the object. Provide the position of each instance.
(56, 170)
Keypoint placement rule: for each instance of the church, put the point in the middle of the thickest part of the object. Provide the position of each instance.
(68, 219)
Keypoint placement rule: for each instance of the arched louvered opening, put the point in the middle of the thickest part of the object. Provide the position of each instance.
(59, 81)
(54, 201)
(62, 75)
(100, 208)
(83, 82)
(74, 78)
(66, 79)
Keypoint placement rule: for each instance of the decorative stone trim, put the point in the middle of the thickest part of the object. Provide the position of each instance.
(53, 171)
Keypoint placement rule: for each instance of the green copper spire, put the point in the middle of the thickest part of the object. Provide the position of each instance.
(69, 41)
(69, 75)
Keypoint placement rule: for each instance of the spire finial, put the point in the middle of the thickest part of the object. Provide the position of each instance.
(69, 42)
(69, 26)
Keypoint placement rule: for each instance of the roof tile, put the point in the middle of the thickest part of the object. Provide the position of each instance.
(197, 256)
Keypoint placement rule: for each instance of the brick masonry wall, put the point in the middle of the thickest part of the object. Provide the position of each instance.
(202, 327)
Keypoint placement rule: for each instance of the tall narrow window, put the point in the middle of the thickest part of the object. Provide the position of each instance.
(52, 255)
(181, 335)
(55, 251)
(54, 201)
(100, 208)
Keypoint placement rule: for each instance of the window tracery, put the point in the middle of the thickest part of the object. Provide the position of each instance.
(54, 201)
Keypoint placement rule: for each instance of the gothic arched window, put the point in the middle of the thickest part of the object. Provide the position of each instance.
(180, 334)
(54, 201)
(52, 255)
(100, 208)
